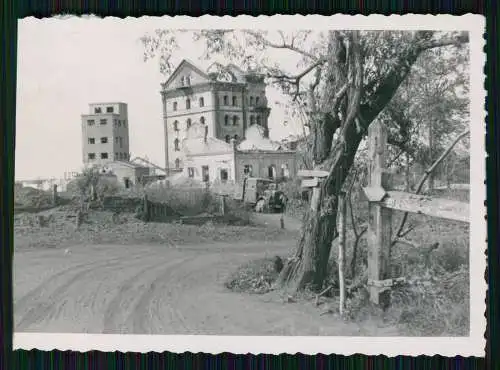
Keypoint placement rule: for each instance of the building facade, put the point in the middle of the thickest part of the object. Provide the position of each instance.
(225, 100)
(211, 160)
(105, 134)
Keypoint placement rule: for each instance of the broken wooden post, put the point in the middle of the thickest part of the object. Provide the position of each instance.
(380, 218)
(146, 208)
(342, 212)
(54, 195)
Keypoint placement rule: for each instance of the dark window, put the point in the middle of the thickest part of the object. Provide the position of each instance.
(190, 172)
(104, 140)
(91, 155)
(271, 170)
(97, 110)
(109, 109)
(188, 80)
(201, 102)
(124, 123)
(176, 145)
(257, 100)
(235, 101)
(127, 182)
(91, 122)
(188, 103)
(120, 155)
(251, 100)
(117, 155)
(174, 106)
(104, 155)
(119, 123)
(91, 140)
(176, 126)
(226, 101)
(121, 142)
(188, 123)
(177, 163)
(247, 169)
(236, 137)
(104, 121)
(226, 120)
(252, 120)
(228, 138)
(182, 81)
(202, 120)
(258, 120)
(235, 120)
(224, 175)
(205, 174)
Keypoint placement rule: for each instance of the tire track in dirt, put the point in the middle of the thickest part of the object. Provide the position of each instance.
(143, 306)
(123, 297)
(37, 312)
(29, 310)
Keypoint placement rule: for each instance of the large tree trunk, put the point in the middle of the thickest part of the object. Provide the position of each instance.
(348, 117)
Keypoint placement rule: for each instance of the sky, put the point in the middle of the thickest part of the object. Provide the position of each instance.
(65, 64)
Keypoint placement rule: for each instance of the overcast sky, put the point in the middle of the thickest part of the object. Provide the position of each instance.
(64, 64)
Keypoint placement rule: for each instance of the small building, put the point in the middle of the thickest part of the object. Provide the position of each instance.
(127, 174)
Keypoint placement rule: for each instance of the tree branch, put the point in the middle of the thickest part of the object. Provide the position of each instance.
(462, 38)
(399, 233)
(284, 45)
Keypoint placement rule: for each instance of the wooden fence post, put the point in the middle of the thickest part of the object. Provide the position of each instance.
(223, 205)
(146, 208)
(380, 218)
(342, 211)
(54, 195)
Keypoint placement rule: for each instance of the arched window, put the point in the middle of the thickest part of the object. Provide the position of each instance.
(226, 102)
(177, 163)
(176, 125)
(175, 106)
(188, 103)
(235, 120)
(258, 120)
(257, 100)
(235, 101)
(252, 120)
(226, 120)
(182, 81)
(271, 171)
(188, 123)
(228, 138)
(236, 137)
(251, 100)
(176, 145)
(201, 102)
(202, 120)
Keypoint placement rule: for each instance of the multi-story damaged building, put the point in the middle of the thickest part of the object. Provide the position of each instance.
(216, 125)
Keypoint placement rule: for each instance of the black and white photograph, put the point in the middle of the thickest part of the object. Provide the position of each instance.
(251, 184)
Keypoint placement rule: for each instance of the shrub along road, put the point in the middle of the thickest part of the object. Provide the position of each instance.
(159, 289)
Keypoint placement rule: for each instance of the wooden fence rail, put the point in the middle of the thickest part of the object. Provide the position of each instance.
(382, 201)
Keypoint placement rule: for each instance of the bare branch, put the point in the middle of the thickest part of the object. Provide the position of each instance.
(284, 45)
(462, 38)
(421, 183)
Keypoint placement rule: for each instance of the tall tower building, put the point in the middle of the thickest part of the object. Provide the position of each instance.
(105, 134)
(226, 101)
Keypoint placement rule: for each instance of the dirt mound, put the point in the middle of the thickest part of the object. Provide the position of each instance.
(255, 277)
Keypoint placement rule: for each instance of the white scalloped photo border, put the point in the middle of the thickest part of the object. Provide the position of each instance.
(474, 345)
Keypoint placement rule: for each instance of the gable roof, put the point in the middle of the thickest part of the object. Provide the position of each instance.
(181, 65)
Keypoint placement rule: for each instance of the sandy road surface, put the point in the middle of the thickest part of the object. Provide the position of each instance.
(157, 290)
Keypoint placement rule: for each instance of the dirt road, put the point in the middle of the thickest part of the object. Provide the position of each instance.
(157, 290)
